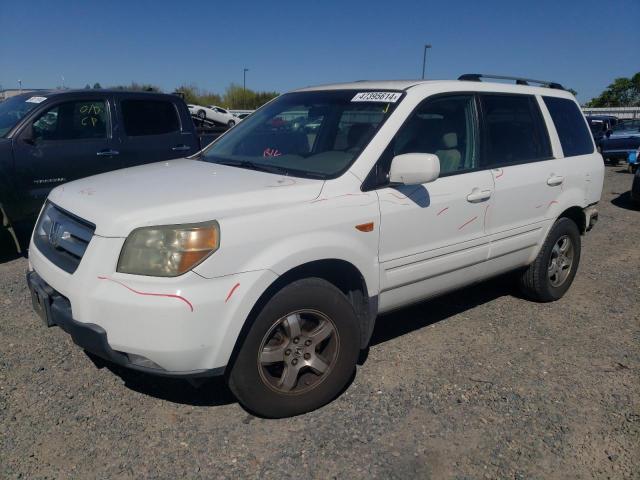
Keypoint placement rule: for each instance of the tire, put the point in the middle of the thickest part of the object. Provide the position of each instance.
(537, 281)
(631, 168)
(231, 123)
(202, 115)
(259, 376)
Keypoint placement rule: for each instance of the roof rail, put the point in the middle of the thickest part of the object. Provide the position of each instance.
(475, 77)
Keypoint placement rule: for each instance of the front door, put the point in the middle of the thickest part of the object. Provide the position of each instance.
(432, 236)
(67, 141)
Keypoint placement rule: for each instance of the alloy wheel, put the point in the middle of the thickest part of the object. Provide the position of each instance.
(561, 261)
(298, 352)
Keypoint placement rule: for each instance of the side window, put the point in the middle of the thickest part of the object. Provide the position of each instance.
(570, 125)
(149, 117)
(443, 126)
(77, 120)
(514, 130)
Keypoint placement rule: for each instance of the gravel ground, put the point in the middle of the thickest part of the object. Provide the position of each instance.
(478, 384)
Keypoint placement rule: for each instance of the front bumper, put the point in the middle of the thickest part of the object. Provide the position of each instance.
(180, 326)
(93, 338)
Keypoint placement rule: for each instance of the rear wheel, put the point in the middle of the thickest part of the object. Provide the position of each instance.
(202, 115)
(549, 277)
(300, 352)
(231, 123)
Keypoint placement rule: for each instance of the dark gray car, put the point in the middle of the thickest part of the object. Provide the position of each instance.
(54, 137)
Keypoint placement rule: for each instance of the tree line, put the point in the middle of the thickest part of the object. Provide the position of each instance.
(234, 97)
(623, 92)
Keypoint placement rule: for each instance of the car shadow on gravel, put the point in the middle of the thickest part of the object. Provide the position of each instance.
(420, 315)
(214, 391)
(624, 201)
(205, 392)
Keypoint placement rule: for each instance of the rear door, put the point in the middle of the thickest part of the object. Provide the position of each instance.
(150, 129)
(527, 177)
(69, 139)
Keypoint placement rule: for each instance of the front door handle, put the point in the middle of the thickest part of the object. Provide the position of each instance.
(555, 180)
(181, 148)
(108, 153)
(478, 195)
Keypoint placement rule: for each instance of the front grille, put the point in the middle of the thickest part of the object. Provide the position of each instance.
(62, 237)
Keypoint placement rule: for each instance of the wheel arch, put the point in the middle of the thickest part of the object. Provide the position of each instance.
(342, 274)
(576, 214)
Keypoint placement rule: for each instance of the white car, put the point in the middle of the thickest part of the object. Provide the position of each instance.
(214, 114)
(268, 256)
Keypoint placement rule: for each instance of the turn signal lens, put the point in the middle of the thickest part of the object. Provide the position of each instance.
(168, 250)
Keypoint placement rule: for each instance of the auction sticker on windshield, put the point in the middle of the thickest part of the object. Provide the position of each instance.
(388, 97)
(35, 99)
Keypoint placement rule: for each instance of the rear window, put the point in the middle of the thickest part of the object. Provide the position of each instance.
(149, 117)
(514, 129)
(572, 130)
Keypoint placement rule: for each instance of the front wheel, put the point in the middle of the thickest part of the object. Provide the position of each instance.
(550, 275)
(300, 352)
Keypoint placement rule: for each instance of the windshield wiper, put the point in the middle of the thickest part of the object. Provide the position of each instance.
(254, 166)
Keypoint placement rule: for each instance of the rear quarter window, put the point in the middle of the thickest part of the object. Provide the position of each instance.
(514, 130)
(149, 117)
(570, 125)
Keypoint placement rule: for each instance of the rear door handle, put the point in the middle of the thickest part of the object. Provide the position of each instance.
(555, 180)
(181, 148)
(108, 153)
(478, 195)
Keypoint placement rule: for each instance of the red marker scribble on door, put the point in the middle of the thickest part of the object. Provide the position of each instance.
(467, 222)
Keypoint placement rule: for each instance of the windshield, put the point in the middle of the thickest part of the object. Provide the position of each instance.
(627, 126)
(14, 108)
(307, 134)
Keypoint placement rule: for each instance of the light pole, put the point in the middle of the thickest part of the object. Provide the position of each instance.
(244, 87)
(424, 59)
(20, 85)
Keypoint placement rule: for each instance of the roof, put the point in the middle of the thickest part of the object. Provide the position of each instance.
(87, 91)
(444, 85)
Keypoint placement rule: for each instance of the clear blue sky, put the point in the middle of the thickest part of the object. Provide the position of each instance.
(583, 44)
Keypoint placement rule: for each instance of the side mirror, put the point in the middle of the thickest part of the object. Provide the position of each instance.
(414, 168)
(27, 135)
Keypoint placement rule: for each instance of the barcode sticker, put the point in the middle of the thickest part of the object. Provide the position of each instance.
(35, 99)
(385, 97)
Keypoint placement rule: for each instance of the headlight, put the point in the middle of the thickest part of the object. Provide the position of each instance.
(168, 250)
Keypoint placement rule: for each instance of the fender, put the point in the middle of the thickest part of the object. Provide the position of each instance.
(303, 248)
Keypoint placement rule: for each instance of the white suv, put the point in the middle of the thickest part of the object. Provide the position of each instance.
(268, 256)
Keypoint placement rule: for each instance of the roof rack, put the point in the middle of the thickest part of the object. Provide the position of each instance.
(475, 77)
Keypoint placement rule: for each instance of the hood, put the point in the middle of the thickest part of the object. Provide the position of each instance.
(177, 191)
